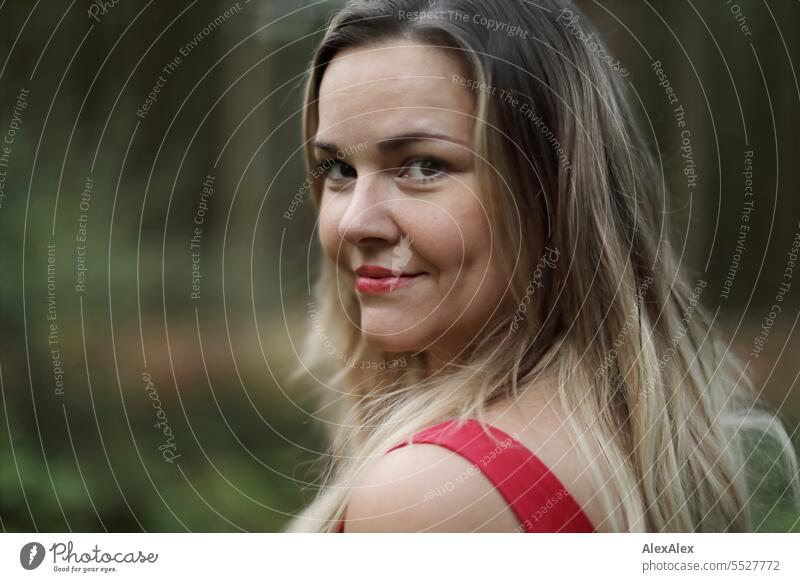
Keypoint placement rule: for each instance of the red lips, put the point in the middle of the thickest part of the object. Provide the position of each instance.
(374, 271)
(376, 280)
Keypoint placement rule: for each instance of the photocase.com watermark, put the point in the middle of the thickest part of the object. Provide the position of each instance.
(168, 448)
(491, 24)
(744, 227)
(31, 555)
(525, 109)
(53, 332)
(402, 255)
(760, 341)
(739, 17)
(632, 316)
(81, 235)
(473, 470)
(683, 329)
(549, 260)
(183, 52)
(206, 193)
(300, 196)
(349, 361)
(66, 559)
(570, 20)
(100, 8)
(14, 127)
(546, 507)
(679, 115)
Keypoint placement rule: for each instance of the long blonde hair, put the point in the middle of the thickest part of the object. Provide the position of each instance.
(616, 320)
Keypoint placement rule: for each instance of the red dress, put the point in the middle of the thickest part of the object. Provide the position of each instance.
(538, 499)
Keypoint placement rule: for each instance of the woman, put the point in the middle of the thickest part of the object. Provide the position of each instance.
(517, 347)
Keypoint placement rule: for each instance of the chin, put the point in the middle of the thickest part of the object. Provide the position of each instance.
(393, 339)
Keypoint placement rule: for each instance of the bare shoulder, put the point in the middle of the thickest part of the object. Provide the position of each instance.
(425, 487)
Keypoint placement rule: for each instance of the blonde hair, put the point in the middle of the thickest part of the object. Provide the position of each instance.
(644, 379)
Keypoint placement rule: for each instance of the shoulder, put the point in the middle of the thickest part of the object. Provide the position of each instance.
(541, 426)
(425, 487)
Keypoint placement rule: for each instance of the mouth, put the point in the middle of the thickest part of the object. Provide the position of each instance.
(374, 280)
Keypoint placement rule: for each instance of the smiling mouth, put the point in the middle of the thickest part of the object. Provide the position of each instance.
(377, 280)
(385, 284)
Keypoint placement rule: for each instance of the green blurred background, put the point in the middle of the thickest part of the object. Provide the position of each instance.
(88, 457)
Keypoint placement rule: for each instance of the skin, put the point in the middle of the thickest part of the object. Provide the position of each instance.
(384, 190)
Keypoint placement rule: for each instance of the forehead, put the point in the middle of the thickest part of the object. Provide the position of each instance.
(369, 92)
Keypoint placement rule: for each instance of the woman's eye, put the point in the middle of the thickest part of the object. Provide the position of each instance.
(423, 169)
(338, 170)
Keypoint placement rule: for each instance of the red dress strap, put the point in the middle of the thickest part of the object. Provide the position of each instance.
(535, 495)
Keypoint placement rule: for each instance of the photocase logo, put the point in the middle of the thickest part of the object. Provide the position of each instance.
(31, 555)
(402, 254)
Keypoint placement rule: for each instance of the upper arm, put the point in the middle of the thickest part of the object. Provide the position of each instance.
(424, 487)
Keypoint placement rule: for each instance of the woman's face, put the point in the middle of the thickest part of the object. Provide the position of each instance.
(401, 208)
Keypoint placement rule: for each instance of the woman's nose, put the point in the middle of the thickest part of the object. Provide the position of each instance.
(369, 216)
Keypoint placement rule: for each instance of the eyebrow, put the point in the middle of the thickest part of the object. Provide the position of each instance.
(396, 142)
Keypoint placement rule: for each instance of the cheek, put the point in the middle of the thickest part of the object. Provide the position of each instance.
(478, 281)
(435, 233)
(478, 237)
(459, 236)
